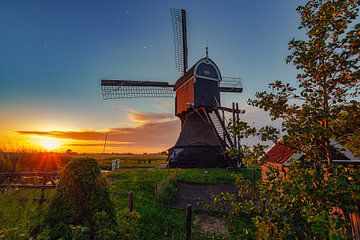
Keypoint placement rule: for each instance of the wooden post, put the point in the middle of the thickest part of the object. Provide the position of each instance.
(42, 195)
(188, 212)
(131, 201)
(237, 120)
(233, 120)
(223, 120)
(156, 191)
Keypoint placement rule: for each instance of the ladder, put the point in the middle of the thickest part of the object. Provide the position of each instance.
(218, 125)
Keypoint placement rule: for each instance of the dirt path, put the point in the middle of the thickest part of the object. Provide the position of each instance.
(210, 225)
(199, 195)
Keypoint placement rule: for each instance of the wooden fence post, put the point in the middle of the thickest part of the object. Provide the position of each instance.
(234, 123)
(254, 180)
(42, 195)
(156, 191)
(188, 212)
(237, 121)
(131, 201)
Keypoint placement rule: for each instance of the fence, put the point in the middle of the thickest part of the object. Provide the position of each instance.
(29, 180)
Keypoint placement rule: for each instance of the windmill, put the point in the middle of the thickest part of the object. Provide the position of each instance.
(204, 137)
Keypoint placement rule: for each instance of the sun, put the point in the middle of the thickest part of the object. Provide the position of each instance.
(49, 143)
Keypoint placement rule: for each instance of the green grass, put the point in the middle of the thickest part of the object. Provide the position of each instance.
(220, 175)
(19, 213)
(156, 220)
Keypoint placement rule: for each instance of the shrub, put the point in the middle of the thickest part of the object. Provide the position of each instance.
(13, 234)
(300, 206)
(82, 199)
(128, 224)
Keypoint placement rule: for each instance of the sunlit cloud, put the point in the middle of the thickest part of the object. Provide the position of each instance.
(152, 130)
(145, 118)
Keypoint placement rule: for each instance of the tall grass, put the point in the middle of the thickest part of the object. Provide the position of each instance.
(20, 159)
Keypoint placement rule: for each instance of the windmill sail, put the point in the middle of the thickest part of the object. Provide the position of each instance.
(178, 17)
(114, 89)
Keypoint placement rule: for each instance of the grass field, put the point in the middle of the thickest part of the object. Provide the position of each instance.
(158, 219)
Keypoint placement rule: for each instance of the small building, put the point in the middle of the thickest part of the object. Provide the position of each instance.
(280, 156)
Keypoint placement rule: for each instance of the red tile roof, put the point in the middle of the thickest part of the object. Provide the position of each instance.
(279, 153)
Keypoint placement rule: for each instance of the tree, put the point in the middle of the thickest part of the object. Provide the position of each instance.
(322, 106)
(328, 82)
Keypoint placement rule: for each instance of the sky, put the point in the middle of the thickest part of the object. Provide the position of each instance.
(53, 55)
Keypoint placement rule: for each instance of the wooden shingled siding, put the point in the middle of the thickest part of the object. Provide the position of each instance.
(185, 95)
(198, 144)
(195, 132)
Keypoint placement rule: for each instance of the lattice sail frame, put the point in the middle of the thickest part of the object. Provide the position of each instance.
(178, 17)
(115, 89)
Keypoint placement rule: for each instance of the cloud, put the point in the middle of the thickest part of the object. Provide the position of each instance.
(143, 118)
(122, 144)
(154, 130)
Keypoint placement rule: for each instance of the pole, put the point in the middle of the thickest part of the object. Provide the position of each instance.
(188, 212)
(237, 120)
(223, 120)
(106, 135)
(234, 123)
(131, 201)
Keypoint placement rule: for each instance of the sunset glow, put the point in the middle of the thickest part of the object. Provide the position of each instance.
(49, 143)
(50, 76)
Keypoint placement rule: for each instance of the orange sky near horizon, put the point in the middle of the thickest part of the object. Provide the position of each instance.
(143, 133)
(146, 133)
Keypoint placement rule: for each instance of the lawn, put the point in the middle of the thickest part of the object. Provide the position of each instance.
(19, 213)
(158, 219)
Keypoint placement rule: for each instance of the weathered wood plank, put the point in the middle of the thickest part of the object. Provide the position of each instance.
(29, 174)
(27, 186)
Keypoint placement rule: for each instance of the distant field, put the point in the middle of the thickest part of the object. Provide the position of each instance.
(42, 161)
(128, 161)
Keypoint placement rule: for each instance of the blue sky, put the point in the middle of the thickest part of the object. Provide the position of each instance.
(54, 53)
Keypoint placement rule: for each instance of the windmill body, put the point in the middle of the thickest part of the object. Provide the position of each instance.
(204, 136)
(197, 93)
